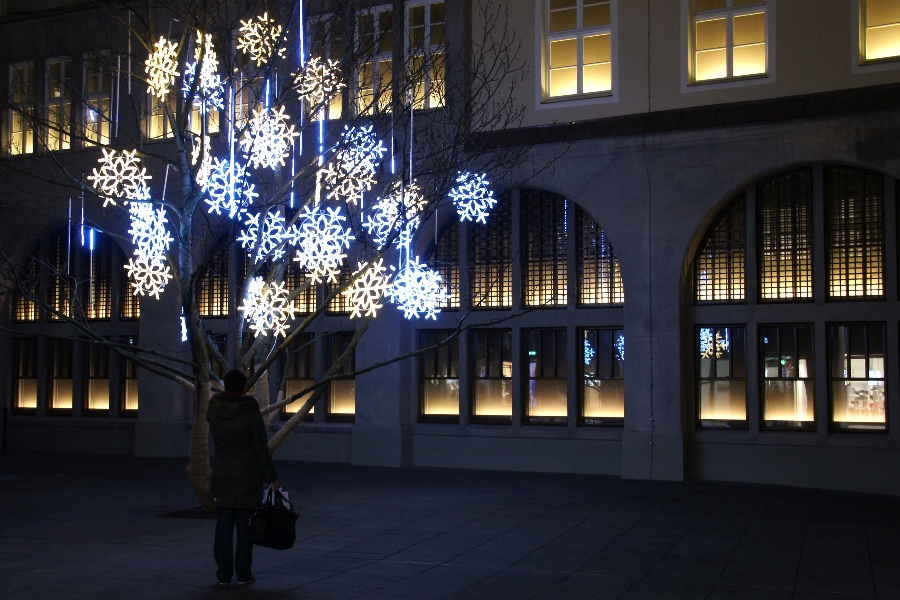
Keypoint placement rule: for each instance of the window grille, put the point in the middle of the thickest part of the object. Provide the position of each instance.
(26, 310)
(295, 278)
(545, 243)
(62, 286)
(300, 372)
(854, 201)
(212, 284)
(445, 260)
(129, 302)
(490, 258)
(96, 377)
(25, 386)
(492, 373)
(857, 376)
(546, 376)
(439, 376)
(96, 292)
(599, 276)
(784, 206)
(719, 267)
(59, 103)
(788, 376)
(342, 392)
(339, 304)
(20, 114)
(603, 376)
(722, 368)
(160, 111)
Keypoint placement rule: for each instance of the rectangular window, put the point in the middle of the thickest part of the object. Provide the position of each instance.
(578, 51)
(24, 310)
(425, 44)
(63, 286)
(785, 243)
(20, 115)
(492, 373)
(296, 278)
(854, 201)
(129, 383)
(880, 29)
(96, 363)
(603, 377)
(439, 376)
(720, 265)
(342, 392)
(97, 98)
(546, 241)
(375, 40)
(25, 386)
(129, 302)
(300, 372)
(59, 104)
(546, 377)
(856, 376)
(96, 295)
(328, 43)
(722, 377)
(444, 259)
(61, 358)
(728, 39)
(158, 124)
(788, 389)
(339, 304)
(212, 296)
(490, 258)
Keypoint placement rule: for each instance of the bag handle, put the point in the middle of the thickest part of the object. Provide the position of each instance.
(279, 499)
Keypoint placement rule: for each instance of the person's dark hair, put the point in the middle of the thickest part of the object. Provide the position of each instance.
(235, 381)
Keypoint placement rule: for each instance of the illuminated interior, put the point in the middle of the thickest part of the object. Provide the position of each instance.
(882, 29)
(604, 398)
(97, 394)
(789, 400)
(587, 51)
(293, 386)
(749, 54)
(723, 400)
(858, 401)
(440, 397)
(61, 398)
(59, 103)
(547, 398)
(342, 400)
(743, 36)
(26, 393)
(710, 58)
(564, 67)
(130, 400)
(493, 397)
(21, 134)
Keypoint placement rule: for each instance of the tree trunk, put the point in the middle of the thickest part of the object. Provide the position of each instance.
(198, 469)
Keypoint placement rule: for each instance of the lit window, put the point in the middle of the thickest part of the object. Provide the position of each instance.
(444, 259)
(25, 310)
(545, 242)
(375, 42)
(490, 258)
(342, 392)
(880, 27)
(854, 201)
(161, 114)
(62, 285)
(129, 383)
(96, 262)
(578, 54)
(603, 371)
(129, 302)
(300, 372)
(97, 93)
(599, 275)
(728, 39)
(61, 357)
(439, 369)
(425, 39)
(546, 393)
(787, 367)
(328, 43)
(20, 115)
(59, 104)
(492, 398)
(722, 363)
(856, 374)
(296, 279)
(25, 386)
(785, 236)
(212, 284)
(719, 266)
(96, 366)
(340, 303)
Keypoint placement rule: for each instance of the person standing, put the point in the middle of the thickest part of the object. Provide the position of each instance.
(241, 463)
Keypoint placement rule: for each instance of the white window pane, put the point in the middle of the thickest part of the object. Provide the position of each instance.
(711, 64)
(597, 78)
(595, 15)
(597, 49)
(749, 29)
(882, 42)
(882, 12)
(710, 34)
(750, 60)
(563, 20)
(705, 5)
(564, 82)
(563, 53)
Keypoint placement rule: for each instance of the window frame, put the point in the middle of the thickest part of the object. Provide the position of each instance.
(427, 338)
(18, 376)
(858, 426)
(429, 51)
(64, 104)
(860, 61)
(95, 137)
(714, 423)
(378, 103)
(90, 371)
(28, 105)
(475, 378)
(785, 424)
(616, 355)
(306, 343)
(527, 378)
(335, 340)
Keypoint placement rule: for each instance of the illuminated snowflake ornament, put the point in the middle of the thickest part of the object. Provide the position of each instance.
(472, 197)
(365, 294)
(148, 277)
(268, 138)
(319, 81)
(418, 289)
(270, 239)
(589, 352)
(228, 189)
(202, 150)
(267, 307)
(260, 38)
(160, 67)
(399, 209)
(210, 92)
(148, 231)
(351, 172)
(321, 239)
(120, 176)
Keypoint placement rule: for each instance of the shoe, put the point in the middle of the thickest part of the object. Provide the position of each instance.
(222, 582)
(251, 580)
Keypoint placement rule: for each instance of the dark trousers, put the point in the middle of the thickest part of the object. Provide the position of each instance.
(230, 558)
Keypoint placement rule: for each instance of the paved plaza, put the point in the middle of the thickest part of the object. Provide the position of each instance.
(98, 526)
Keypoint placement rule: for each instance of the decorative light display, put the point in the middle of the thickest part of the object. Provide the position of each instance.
(270, 237)
(319, 81)
(268, 138)
(620, 348)
(365, 294)
(472, 197)
(351, 172)
(418, 289)
(228, 189)
(148, 277)
(184, 331)
(267, 307)
(589, 352)
(712, 345)
(399, 208)
(160, 67)
(148, 231)
(120, 176)
(321, 239)
(260, 39)
(210, 92)
(202, 149)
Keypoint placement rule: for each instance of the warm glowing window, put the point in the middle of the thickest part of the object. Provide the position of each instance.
(854, 201)
(444, 259)
(61, 358)
(490, 258)
(784, 206)
(96, 262)
(719, 266)
(788, 393)
(25, 310)
(722, 386)
(728, 39)
(96, 376)
(59, 104)
(161, 113)
(129, 302)
(856, 375)
(25, 385)
(439, 376)
(296, 280)
(20, 114)
(339, 304)
(425, 39)
(129, 383)
(603, 376)
(492, 374)
(342, 392)
(212, 284)
(375, 42)
(300, 372)
(545, 243)
(328, 43)
(97, 116)
(546, 393)
(62, 274)
(599, 276)
(880, 28)
(578, 54)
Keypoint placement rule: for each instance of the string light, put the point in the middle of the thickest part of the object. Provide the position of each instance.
(268, 240)
(228, 189)
(210, 92)
(319, 82)
(399, 208)
(351, 172)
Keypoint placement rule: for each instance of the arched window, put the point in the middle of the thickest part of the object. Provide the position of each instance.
(719, 266)
(785, 236)
(81, 275)
(212, 285)
(490, 257)
(444, 258)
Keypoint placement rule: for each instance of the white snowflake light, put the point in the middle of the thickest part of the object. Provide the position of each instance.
(418, 289)
(589, 352)
(160, 67)
(351, 172)
(148, 277)
(202, 150)
(270, 239)
(365, 294)
(148, 231)
(321, 239)
(268, 138)
(267, 308)
(472, 197)
(228, 189)
(260, 38)
(210, 92)
(120, 176)
(399, 209)
(319, 81)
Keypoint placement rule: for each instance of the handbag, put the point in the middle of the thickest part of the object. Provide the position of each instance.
(272, 524)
